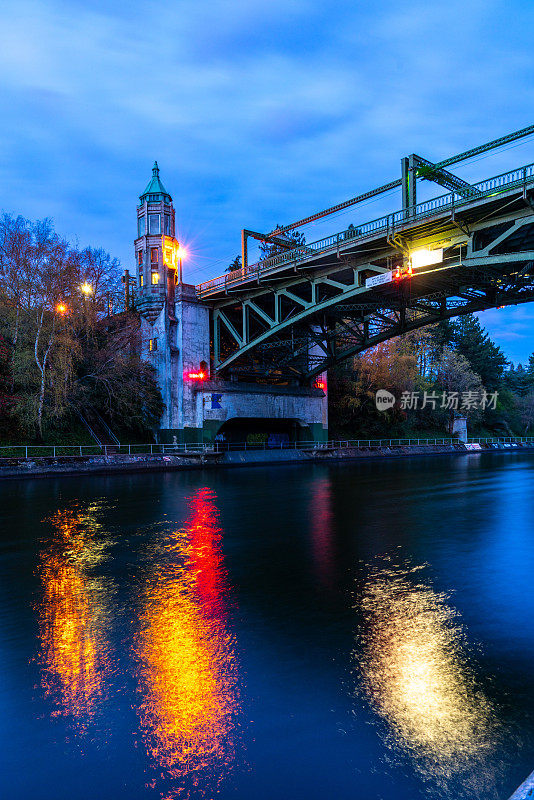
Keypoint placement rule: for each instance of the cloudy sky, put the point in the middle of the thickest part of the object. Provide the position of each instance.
(258, 112)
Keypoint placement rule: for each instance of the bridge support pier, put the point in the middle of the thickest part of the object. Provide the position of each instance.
(203, 409)
(200, 406)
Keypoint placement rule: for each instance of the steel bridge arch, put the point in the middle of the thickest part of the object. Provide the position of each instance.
(331, 312)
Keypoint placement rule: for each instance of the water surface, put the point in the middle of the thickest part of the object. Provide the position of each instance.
(322, 631)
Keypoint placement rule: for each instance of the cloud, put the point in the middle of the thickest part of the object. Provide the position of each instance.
(258, 113)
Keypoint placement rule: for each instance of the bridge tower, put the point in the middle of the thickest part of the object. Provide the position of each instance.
(175, 338)
(174, 324)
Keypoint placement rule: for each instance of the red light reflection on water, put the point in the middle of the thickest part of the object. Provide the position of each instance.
(322, 534)
(188, 667)
(205, 554)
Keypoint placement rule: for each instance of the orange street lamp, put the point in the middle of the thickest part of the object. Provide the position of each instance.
(61, 308)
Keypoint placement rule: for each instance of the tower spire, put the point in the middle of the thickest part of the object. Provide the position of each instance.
(156, 251)
(155, 190)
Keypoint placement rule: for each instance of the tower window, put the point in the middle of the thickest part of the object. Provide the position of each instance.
(152, 344)
(168, 256)
(167, 224)
(155, 278)
(139, 257)
(141, 226)
(141, 281)
(154, 223)
(153, 255)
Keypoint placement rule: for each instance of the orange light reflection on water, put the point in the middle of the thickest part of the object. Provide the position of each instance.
(74, 651)
(187, 656)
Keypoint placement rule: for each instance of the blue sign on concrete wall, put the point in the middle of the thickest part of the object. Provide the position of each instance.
(216, 401)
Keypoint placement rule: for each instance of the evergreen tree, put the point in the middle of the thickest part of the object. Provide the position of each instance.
(235, 265)
(483, 355)
(518, 380)
(294, 239)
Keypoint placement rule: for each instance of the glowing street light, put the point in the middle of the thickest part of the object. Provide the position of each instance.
(86, 288)
(61, 308)
(181, 253)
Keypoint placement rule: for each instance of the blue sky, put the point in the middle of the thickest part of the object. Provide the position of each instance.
(258, 112)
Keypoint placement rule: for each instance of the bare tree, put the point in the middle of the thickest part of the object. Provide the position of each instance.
(102, 274)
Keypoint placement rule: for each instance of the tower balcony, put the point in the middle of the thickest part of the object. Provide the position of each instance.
(150, 300)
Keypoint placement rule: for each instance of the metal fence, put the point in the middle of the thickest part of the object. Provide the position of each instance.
(32, 452)
(503, 440)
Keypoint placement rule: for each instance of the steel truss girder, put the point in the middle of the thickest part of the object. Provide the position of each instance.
(432, 172)
(503, 299)
(302, 307)
(348, 324)
(343, 344)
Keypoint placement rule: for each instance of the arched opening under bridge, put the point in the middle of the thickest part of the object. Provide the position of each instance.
(263, 432)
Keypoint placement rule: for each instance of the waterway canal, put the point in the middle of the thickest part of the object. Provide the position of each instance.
(328, 631)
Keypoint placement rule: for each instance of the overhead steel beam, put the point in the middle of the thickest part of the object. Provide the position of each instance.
(483, 148)
(289, 244)
(340, 206)
(432, 172)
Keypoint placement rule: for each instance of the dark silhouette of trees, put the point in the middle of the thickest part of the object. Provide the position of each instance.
(294, 239)
(235, 265)
(58, 350)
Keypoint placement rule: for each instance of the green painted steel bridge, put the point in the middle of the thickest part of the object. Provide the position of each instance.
(307, 307)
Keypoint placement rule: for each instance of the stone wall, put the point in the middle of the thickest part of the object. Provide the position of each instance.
(196, 410)
(219, 402)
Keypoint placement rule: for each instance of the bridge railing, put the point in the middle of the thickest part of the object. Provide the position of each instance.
(36, 452)
(521, 176)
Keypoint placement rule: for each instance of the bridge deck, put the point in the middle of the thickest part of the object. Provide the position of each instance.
(420, 220)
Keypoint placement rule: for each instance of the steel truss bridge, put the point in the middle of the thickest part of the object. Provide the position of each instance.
(299, 312)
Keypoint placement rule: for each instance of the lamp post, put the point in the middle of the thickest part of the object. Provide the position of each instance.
(181, 254)
(87, 290)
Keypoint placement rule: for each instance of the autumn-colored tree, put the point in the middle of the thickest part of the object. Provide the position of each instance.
(390, 365)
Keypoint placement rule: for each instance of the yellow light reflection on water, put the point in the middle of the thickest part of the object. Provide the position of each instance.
(188, 667)
(418, 676)
(73, 651)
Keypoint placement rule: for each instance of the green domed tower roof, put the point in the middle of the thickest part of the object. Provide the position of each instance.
(155, 191)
